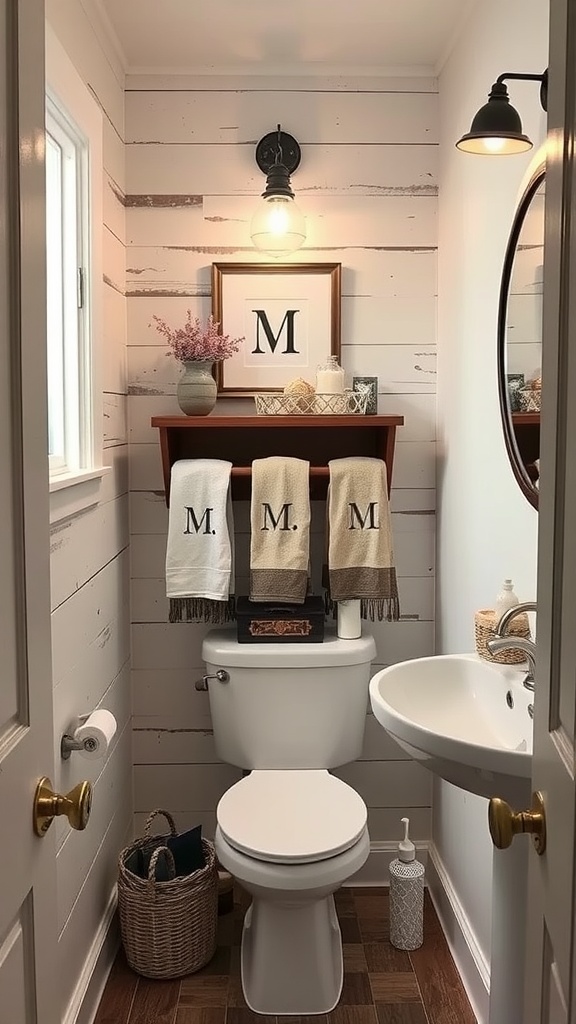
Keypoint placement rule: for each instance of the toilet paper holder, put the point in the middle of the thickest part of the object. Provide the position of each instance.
(68, 743)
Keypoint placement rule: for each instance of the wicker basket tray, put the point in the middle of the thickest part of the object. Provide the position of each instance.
(277, 404)
(485, 629)
(530, 399)
(168, 928)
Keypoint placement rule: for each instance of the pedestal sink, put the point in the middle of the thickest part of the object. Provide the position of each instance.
(470, 722)
(463, 718)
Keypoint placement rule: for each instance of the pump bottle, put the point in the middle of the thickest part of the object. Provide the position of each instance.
(505, 600)
(406, 896)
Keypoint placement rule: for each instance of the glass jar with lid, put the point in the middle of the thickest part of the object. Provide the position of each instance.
(330, 377)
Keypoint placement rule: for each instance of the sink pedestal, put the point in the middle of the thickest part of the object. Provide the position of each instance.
(509, 888)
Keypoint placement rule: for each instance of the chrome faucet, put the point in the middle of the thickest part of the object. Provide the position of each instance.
(503, 642)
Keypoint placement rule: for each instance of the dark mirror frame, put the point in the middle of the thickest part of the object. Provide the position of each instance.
(526, 485)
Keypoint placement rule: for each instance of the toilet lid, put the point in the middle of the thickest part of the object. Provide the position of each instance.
(291, 817)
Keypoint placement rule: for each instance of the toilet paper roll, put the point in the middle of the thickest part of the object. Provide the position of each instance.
(349, 626)
(99, 728)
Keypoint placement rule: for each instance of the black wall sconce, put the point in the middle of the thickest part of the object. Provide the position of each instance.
(497, 129)
(278, 226)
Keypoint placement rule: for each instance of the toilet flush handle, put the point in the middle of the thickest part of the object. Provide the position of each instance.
(221, 675)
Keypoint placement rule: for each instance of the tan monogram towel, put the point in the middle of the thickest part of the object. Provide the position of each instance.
(360, 558)
(280, 530)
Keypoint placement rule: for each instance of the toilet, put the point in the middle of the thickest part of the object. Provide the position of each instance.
(290, 832)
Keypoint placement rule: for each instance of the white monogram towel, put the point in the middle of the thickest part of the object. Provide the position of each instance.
(200, 549)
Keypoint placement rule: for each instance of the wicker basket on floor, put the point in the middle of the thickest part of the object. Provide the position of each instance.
(168, 928)
(485, 629)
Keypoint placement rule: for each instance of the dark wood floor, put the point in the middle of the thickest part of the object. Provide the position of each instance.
(381, 984)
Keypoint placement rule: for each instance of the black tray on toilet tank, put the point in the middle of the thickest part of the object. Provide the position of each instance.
(280, 623)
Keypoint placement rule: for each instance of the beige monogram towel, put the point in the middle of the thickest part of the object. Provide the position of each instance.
(360, 557)
(280, 530)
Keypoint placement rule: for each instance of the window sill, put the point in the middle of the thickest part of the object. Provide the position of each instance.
(73, 493)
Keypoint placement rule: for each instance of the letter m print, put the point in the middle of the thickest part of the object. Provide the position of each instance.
(359, 520)
(194, 525)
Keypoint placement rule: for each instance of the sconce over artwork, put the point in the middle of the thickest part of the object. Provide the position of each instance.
(278, 226)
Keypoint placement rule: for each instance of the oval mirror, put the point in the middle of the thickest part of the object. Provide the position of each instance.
(520, 338)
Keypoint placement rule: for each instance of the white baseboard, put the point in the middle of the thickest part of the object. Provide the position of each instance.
(375, 870)
(472, 965)
(90, 985)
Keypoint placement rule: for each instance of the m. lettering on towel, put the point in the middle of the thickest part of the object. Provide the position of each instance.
(200, 548)
(280, 525)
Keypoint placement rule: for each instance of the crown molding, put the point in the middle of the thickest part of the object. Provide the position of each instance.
(301, 70)
(107, 35)
(465, 16)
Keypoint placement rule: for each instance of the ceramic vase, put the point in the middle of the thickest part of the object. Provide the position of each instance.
(196, 389)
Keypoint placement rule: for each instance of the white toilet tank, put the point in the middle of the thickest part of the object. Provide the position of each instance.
(288, 705)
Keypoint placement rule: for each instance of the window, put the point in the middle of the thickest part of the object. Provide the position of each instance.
(67, 268)
(74, 285)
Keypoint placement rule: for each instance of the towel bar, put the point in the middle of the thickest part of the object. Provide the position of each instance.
(241, 439)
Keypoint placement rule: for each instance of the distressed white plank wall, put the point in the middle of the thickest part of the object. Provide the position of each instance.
(367, 184)
(90, 572)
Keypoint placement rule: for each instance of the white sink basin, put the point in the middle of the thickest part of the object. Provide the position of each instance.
(452, 713)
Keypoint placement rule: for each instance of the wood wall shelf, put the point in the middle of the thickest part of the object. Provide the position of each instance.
(526, 426)
(240, 439)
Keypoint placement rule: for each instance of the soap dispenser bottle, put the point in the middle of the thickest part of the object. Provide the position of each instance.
(406, 896)
(505, 600)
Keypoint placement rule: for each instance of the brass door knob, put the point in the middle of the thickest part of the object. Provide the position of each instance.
(505, 823)
(76, 805)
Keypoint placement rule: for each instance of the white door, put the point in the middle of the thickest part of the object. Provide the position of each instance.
(28, 985)
(550, 985)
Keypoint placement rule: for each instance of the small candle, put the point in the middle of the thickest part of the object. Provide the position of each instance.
(349, 626)
(330, 378)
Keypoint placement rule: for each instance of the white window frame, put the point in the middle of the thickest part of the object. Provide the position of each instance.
(76, 487)
(69, 220)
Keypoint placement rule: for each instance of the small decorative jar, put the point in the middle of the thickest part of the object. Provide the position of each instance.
(330, 378)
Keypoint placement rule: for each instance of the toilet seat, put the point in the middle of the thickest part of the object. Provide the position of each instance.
(291, 817)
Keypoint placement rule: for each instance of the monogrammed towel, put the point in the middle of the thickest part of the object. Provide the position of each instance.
(360, 558)
(200, 549)
(280, 530)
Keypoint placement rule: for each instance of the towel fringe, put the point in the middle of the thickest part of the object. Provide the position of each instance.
(373, 608)
(202, 609)
(377, 608)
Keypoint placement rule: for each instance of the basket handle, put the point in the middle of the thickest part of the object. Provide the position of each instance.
(151, 817)
(154, 861)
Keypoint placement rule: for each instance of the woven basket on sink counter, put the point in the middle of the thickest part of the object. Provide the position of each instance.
(485, 629)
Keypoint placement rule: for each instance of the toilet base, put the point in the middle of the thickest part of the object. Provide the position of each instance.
(291, 956)
(281, 973)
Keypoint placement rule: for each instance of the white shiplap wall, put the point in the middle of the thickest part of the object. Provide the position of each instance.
(90, 571)
(367, 185)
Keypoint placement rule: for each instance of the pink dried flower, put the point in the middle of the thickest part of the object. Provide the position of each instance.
(194, 341)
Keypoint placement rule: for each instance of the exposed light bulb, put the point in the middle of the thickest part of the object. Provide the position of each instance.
(494, 145)
(278, 226)
(278, 217)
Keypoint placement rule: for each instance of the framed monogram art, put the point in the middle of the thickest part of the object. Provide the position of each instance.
(288, 315)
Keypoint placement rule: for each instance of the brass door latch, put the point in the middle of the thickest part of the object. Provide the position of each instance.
(504, 823)
(76, 805)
